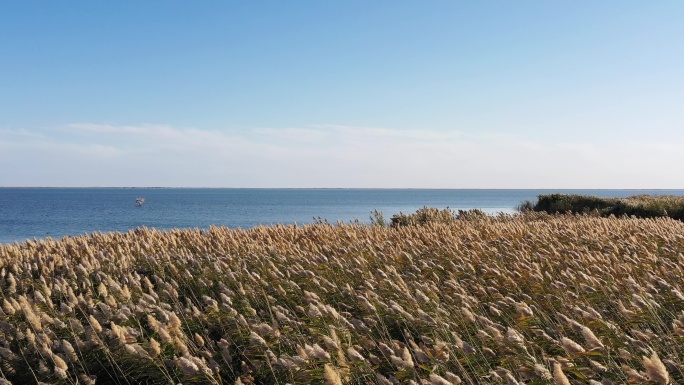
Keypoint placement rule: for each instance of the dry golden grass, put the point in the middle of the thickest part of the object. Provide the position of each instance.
(531, 298)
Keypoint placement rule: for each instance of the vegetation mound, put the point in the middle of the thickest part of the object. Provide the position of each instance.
(429, 215)
(531, 298)
(642, 206)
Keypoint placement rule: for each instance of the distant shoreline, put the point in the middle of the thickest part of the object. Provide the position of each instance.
(343, 188)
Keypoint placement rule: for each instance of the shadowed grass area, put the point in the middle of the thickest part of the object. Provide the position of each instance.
(642, 206)
(470, 298)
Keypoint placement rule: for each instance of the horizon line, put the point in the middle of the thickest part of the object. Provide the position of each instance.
(337, 188)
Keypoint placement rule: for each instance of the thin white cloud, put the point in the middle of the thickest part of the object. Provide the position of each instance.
(326, 156)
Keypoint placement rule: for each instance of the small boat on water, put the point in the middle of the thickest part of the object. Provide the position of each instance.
(139, 201)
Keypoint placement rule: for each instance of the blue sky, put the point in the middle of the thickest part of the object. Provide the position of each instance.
(431, 94)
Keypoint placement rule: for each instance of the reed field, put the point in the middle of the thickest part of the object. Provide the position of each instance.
(511, 299)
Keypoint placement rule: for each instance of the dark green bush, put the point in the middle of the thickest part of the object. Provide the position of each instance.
(422, 216)
(643, 206)
(526, 205)
(432, 215)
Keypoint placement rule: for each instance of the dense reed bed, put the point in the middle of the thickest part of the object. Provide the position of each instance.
(533, 299)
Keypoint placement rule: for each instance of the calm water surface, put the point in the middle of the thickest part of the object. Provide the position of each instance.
(27, 213)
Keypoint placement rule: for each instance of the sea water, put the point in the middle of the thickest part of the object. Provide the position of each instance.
(27, 213)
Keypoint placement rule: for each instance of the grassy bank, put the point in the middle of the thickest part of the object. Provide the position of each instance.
(642, 206)
(533, 299)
